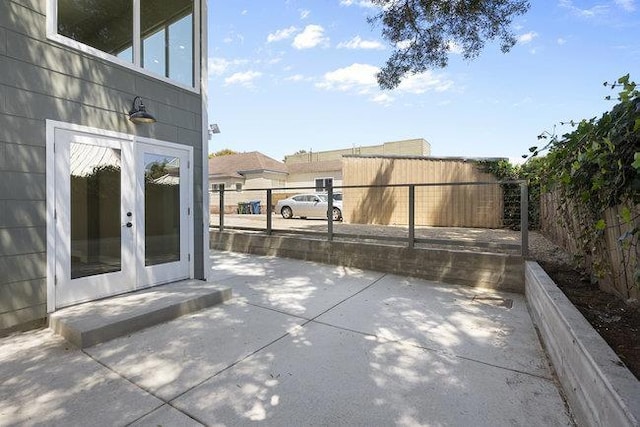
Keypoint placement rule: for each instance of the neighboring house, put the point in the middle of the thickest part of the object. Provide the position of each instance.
(243, 172)
(319, 175)
(91, 204)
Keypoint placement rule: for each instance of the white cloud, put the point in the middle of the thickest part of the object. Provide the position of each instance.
(424, 82)
(282, 34)
(383, 99)
(628, 5)
(312, 36)
(561, 41)
(592, 12)
(358, 43)
(455, 48)
(219, 66)
(296, 78)
(244, 79)
(361, 79)
(362, 3)
(358, 77)
(304, 14)
(404, 44)
(527, 37)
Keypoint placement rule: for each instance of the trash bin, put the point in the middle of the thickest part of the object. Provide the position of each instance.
(244, 208)
(255, 206)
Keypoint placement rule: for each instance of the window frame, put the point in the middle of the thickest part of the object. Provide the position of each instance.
(324, 183)
(136, 65)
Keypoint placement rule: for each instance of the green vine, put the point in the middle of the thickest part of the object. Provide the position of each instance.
(503, 170)
(596, 167)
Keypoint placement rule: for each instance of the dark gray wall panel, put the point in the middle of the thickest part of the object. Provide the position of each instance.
(21, 268)
(23, 213)
(19, 295)
(22, 130)
(21, 241)
(23, 20)
(23, 316)
(22, 186)
(22, 158)
(3, 41)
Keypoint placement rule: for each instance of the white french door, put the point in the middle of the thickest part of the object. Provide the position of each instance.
(164, 210)
(122, 215)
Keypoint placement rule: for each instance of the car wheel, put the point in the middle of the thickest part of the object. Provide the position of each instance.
(337, 215)
(286, 212)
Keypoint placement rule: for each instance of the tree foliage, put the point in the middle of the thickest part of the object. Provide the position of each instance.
(223, 152)
(424, 32)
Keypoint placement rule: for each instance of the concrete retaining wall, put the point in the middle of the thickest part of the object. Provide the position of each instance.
(601, 391)
(495, 271)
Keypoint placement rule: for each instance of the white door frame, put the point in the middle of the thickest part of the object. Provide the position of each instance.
(52, 259)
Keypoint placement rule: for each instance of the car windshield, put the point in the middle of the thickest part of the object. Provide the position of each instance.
(322, 197)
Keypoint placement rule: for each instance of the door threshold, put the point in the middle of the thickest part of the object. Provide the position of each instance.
(94, 322)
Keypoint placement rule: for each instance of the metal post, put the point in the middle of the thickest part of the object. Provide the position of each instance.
(221, 207)
(269, 217)
(412, 216)
(524, 218)
(330, 213)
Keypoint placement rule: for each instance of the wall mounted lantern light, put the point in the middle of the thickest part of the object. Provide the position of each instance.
(139, 114)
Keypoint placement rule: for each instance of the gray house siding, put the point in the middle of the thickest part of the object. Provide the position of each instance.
(40, 80)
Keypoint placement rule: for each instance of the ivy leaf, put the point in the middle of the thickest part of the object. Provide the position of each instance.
(601, 225)
(636, 126)
(636, 161)
(626, 214)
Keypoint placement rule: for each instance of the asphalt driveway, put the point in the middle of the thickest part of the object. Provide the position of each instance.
(299, 344)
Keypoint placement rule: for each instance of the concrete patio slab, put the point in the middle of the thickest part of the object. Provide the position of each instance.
(349, 348)
(323, 375)
(46, 381)
(171, 358)
(166, 416)
(299, 288)
(94, 322)
(480, 324)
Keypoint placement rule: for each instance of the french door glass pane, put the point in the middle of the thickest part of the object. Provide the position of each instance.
(103, 25)
(95, 210)
(162, 209)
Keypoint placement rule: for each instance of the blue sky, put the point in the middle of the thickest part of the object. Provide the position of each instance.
(300, 74)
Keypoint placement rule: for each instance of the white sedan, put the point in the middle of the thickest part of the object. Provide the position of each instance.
(309, 205)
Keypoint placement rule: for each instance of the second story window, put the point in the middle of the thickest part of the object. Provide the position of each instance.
(158, 36)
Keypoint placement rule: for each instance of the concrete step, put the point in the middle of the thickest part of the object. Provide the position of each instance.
(94, 322)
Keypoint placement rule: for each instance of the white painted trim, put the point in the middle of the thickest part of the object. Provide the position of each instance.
(51, 223)
(204, 82)
(52, 34)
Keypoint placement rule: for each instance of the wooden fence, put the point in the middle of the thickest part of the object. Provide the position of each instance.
(442, 205)
(613, 261)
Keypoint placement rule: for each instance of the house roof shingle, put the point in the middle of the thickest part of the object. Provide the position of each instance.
(234, 165)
